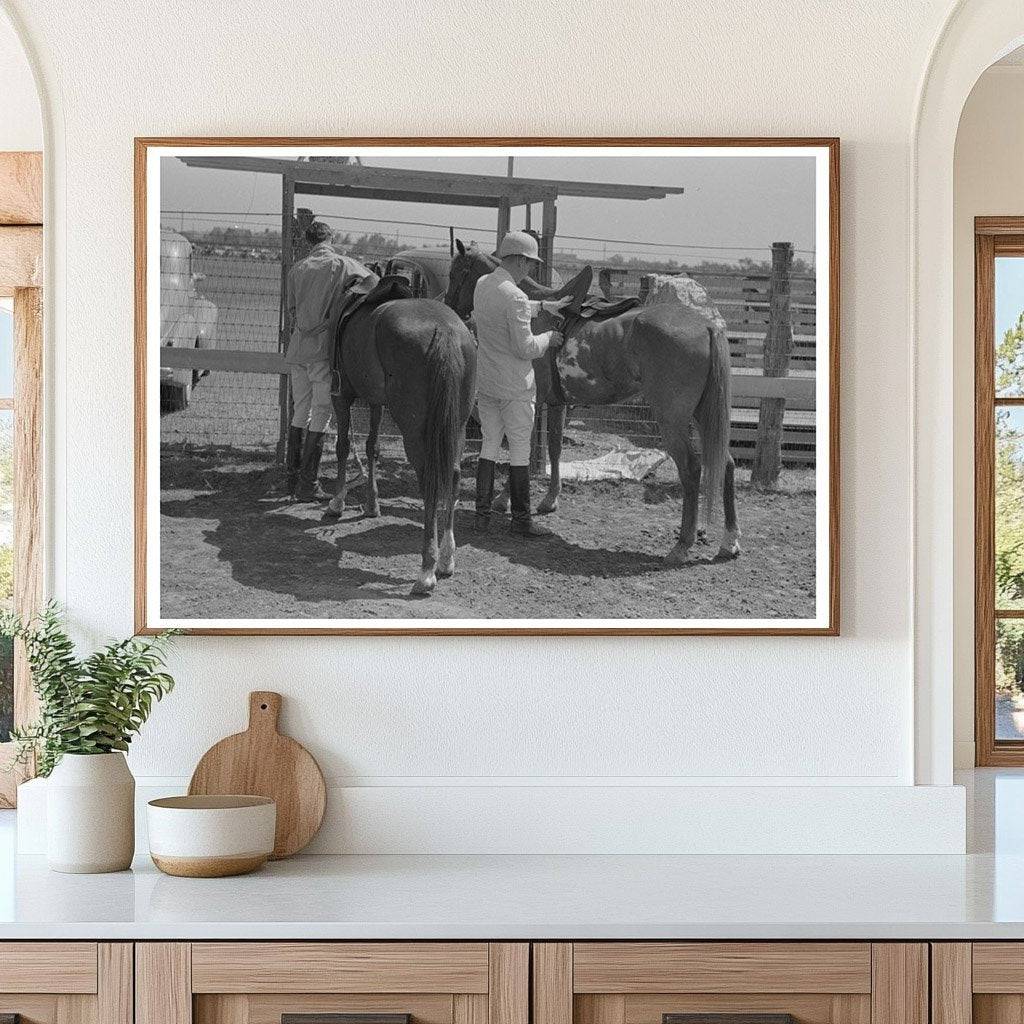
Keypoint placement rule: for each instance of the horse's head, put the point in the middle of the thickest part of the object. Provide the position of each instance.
(469, 264)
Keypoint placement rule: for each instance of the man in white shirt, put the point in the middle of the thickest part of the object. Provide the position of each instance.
(506, 390)
(316, 286)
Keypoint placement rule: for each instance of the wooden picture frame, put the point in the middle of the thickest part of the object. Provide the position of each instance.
(826, 622)
(21, 278)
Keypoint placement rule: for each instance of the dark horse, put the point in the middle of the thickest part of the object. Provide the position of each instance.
(673, 355)
(416, 358)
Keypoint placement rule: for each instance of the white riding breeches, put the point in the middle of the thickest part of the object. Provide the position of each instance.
(311, 395)
(506, 417)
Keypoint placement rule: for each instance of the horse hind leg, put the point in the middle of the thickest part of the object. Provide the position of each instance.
(687, 460)
(556, 426)
(730, 546)
(343, 419)
(427, 579)
(446, 558)
(372, 507)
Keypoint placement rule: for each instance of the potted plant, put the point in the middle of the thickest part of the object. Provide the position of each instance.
(89, 710)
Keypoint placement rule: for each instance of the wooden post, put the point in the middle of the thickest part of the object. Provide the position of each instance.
(504, 218)
(284, 322)
(549, 224)
(778, 344)
(539, 441)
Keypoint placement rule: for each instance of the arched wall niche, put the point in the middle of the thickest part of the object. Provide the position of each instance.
(975, 35)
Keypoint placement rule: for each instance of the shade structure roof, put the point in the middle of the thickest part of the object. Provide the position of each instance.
(403, 185)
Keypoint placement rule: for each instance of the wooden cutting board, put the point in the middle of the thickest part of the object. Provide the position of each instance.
(262, 762)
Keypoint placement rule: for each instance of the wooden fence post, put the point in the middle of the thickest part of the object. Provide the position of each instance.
(284, 322)
(778, 345)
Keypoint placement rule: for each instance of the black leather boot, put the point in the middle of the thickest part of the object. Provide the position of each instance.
(293, 458)
(285, 486)
(484, 494)
(519, 490)
(309, 488)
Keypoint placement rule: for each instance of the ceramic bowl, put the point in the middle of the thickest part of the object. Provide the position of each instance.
(211, 836)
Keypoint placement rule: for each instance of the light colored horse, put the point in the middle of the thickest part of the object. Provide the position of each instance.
(677, 358)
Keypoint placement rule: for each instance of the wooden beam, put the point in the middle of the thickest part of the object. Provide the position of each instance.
(21, 188)
(437, 182)
(21, 258)
(230, 360)
(306, 188)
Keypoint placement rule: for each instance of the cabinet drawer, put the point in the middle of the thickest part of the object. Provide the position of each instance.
(635, 967)
(731, 982)
(340, 967)
(66, 982)
(261, 982)
(48, 967)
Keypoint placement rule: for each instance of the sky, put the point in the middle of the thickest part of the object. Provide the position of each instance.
(737, 206)
(1009, 293)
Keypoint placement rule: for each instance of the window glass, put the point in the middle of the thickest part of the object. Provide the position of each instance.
(1009, 512)
(1009, 679)
(1009, 327)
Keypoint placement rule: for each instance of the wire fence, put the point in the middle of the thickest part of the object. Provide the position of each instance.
(240, 275)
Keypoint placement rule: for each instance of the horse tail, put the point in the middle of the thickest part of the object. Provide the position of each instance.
(445, 369)
(714, 415)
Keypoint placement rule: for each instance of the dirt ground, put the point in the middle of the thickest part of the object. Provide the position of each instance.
(228, 551)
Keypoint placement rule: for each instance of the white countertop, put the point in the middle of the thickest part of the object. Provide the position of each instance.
(532, 897)
(978, 896)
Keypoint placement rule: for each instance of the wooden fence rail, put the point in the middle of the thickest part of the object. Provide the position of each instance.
(745, 383)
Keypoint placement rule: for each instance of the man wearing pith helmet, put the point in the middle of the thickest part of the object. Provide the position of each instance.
(506, 389)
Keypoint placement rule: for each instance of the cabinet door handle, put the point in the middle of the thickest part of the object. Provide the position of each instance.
(728, 1018)
(338, 1018)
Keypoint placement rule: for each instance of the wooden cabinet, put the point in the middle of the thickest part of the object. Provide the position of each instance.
(980, 982)
(650, 982)
(66, 982)
(260, 982)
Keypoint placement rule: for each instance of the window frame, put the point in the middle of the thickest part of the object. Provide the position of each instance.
(21, 261)
(993, 237)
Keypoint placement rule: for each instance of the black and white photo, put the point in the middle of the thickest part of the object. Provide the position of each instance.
(442, 387)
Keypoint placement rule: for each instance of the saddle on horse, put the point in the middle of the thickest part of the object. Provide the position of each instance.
(583, 307)
(367, 294)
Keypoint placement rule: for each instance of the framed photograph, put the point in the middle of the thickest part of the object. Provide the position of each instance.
(487, 386)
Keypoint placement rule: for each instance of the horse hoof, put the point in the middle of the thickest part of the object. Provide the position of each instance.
(702, 535)
(678, 556)
(424, 586)
(729, 553)
(373, 511)
(446, 570)
(547, 505)
(500, 503)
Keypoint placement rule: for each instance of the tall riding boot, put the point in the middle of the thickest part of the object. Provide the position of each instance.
(309, 488)
(484, 494)
(293, 458)
(285, 486)
(519, 490)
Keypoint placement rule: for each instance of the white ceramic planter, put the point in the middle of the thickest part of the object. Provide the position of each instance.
(90, 814)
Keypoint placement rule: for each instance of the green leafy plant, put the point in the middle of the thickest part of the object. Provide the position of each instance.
(90, 705)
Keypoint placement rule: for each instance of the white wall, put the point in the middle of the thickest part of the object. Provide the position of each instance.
(21, 124)
(988, 180)
(398, 713)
